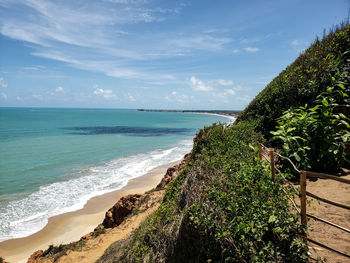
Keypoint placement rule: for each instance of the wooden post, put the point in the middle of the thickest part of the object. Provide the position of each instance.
(260, 151)
(303, 201)
(272, 162)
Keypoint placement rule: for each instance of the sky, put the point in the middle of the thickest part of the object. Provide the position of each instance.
(152, 54)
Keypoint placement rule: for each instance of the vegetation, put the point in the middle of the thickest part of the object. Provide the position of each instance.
(59, 251)
(223, 206)
(317, 68)
(315, 138)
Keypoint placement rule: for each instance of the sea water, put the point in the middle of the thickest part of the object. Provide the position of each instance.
(53, 160)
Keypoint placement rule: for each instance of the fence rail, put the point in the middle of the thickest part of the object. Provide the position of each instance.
(272, 155)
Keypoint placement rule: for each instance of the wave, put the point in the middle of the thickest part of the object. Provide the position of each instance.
(23, 217)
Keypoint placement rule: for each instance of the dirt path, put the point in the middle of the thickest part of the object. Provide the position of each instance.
(323, 233)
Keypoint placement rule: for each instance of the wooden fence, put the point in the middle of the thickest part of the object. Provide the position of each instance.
(271, 156)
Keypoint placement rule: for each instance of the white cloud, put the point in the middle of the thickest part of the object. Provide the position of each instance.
(3, 83)
(255, 39)
(199, 85)
(230, 92)
(131, 97)
(235, 51)
(59, 89)
(245, 99)
(251, 49)
(57, 55)
(34, 68)
(224, 82)
(200, 42)
(299, 43)
(4, 96)
(178, 97)
(121, 1)
(105, 93)
(223, 97)
(62, 30)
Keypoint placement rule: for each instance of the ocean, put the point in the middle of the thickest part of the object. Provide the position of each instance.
(54, 160)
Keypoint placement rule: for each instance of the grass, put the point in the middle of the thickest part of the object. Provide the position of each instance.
(61, 250)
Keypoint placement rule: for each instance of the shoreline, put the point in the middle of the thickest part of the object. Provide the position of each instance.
(231, 115)
(71, 226)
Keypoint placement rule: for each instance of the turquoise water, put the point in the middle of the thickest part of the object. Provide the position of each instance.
(54, 160)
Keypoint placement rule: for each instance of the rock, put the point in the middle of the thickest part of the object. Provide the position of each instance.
(115, 215)
(173, 172)
(36, 257)
(86, 237)
(99, 227)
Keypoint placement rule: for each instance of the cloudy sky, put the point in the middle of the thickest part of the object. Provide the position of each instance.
(190, 54)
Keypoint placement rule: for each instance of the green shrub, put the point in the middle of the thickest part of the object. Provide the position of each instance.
(60, 250)
(242, 217)
(315, 138)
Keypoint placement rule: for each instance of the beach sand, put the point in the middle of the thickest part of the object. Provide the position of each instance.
(68, 227)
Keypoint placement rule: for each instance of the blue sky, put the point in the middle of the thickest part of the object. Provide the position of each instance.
(201, 54)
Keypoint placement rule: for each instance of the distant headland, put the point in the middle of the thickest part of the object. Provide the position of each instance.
(233, 113)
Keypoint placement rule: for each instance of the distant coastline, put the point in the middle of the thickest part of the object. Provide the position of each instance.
(232, 113)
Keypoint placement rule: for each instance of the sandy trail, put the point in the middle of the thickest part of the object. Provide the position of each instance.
(323, 233)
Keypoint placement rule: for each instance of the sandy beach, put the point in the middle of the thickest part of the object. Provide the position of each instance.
(71, 226)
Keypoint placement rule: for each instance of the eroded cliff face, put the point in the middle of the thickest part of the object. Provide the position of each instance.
(37, 257)
(173, 172)
(115, 215)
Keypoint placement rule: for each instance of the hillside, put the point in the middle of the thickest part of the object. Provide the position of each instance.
(323, 64)
(223, 206)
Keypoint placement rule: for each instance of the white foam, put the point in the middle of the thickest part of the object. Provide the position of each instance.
(26, 216)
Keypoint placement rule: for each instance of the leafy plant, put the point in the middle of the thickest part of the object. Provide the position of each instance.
(244, 218)
(315, 138)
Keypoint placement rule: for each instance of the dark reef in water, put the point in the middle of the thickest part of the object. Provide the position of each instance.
(127, 130)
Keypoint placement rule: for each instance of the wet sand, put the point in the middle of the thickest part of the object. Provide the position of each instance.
(71, 226)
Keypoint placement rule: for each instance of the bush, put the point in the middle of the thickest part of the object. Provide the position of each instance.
(242, 217)
(315, 138)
